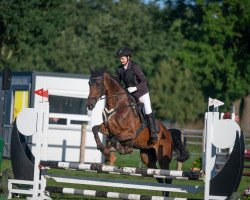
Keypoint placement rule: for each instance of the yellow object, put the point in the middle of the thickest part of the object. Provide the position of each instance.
(21, 100)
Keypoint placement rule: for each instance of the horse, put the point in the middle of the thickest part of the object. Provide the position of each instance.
(126, 128)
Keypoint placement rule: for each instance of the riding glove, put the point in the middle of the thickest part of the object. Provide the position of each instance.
(132, 89)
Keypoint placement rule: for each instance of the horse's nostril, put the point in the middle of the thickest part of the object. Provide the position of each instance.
(90, 104)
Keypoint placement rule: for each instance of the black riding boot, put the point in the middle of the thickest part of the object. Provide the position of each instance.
(153, 127)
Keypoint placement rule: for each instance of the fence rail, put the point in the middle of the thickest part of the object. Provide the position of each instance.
(194, 137)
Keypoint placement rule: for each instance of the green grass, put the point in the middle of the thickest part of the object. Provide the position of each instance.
(132, 160)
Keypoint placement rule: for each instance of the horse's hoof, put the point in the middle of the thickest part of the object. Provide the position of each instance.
(128, 150)
(100, 147)
(121, 151)
(106, 151)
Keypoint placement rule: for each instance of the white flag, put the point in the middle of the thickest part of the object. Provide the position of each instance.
(217, 103)
(210, 102)
(214, 102)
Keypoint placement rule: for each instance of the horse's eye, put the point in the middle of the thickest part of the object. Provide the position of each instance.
(92, 83)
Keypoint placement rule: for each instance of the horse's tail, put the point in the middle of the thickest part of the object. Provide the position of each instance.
(182, 153)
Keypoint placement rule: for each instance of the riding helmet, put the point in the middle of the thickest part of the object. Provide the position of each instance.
(124, 51)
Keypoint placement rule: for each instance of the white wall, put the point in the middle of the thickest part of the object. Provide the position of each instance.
(70, 134)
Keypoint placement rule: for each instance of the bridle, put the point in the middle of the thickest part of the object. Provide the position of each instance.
(97, 81)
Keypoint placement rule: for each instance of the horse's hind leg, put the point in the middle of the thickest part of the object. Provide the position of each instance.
(148, 157)
(164, 159)
(164, 164)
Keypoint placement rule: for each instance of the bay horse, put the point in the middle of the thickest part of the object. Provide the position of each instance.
(123, 124)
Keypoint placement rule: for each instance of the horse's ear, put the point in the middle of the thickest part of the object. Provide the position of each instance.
(90, 69)
(104, 69)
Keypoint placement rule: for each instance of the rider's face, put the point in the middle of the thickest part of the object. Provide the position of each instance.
(124, 60)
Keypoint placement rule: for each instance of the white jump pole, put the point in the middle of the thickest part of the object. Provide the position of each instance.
(34, 122)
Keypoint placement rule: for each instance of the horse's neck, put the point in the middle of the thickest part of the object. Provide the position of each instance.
(115, 94)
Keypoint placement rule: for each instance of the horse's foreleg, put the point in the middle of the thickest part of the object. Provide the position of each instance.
(122, 149)
(100, 146)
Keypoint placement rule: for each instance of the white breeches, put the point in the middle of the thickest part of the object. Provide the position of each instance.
(145, 99)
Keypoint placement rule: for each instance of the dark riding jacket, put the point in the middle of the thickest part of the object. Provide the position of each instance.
(133, 77)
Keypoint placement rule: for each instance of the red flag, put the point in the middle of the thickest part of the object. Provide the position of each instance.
(42, 93)
(46, 94)
(39, 92)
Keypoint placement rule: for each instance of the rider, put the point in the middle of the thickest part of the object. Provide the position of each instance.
(132, 76)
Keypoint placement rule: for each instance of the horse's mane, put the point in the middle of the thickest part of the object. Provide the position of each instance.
(130, 96)
(116, 80)
(98, 72)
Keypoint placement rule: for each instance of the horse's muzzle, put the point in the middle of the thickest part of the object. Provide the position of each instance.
(91, 102)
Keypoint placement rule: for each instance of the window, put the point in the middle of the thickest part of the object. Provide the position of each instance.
(67, 105)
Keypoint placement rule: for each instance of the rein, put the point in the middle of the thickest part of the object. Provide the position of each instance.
(101, 90)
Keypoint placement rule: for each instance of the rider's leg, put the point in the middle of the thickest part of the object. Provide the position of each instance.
(153, 126)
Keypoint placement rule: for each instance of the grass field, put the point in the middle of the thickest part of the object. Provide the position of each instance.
(131, 160)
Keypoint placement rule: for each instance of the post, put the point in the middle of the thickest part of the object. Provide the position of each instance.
(180, 164)
(204, 135)
(42, 110)
(83, 139)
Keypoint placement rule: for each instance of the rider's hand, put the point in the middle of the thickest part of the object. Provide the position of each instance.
(132, 89)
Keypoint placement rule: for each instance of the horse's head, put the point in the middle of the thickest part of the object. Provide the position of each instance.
(96, 87)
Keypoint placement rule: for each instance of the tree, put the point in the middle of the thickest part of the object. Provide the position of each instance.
(177, 95)
(27, 28)
(189, 50)
(219, 53)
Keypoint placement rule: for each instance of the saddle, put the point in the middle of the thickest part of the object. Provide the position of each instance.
(138, 108)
